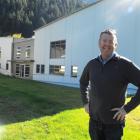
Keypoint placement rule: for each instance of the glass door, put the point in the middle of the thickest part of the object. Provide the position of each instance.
(22, 70)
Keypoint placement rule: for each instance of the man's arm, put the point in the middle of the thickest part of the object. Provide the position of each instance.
(133, 76)
(84, 81)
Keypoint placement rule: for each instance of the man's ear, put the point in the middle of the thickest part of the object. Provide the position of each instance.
(116, 45)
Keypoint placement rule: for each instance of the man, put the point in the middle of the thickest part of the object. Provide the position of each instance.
(107, 77)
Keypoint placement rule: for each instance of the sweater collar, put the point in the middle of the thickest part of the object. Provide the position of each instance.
(114, 56)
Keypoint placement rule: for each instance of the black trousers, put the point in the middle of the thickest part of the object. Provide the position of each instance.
(100, 131)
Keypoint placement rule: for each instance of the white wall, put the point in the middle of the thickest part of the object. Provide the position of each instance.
(81, 31)
(6, 54)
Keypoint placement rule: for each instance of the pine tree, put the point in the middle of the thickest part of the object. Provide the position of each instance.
(23, 16)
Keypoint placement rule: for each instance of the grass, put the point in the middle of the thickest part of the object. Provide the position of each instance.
(31, 110)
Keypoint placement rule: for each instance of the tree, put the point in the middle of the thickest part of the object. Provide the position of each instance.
(23, 16)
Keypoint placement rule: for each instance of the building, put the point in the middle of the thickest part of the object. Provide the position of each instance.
(64, 46)
(17, 57)
(68, 43)
(23, 58)
(6, 44)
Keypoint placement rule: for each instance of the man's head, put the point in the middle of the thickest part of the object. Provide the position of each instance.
(108, 42)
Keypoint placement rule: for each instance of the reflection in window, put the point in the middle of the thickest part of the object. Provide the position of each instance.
(74, 71)
(57, 49)
(57, 69)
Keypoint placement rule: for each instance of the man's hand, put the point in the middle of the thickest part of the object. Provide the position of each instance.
(120, 114)
(86, 106)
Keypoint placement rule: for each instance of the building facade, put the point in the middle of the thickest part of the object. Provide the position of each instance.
(17, 57)
(6, 44)
(23, 58)
(63, 47)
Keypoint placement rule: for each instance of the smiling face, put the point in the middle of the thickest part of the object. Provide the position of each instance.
(107, 44)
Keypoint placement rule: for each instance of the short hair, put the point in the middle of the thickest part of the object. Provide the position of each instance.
(112, 32)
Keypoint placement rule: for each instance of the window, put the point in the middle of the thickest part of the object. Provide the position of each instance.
(27, 53)
(37, 68)
(42, 69)
(18, 53)
(7, 66)
(27, 70)
(57, 49)
(74, 71)
(17, 69)
(57, 69)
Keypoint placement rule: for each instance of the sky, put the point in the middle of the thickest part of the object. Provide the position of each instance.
(90, 1)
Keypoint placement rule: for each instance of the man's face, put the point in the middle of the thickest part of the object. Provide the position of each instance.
(106, 44)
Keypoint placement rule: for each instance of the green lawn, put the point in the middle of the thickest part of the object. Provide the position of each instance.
(31, 110)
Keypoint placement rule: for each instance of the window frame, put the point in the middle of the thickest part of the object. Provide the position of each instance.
(17, 74)
(27, 74)
(56, 69)
(7, 66)
(28, 50)
(57, 47)
(72, 71)
(42, 71)
(18, 52)
(37, 68)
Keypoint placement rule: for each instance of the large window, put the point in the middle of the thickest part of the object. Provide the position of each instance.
(18, 52)
(57, 69)
(74, 71)
(57, 49)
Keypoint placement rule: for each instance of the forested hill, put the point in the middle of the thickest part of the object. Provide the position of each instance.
(23, 16)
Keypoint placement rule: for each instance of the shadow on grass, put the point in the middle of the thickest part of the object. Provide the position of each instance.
(22, 100)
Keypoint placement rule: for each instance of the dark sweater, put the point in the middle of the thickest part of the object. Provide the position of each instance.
(107, 87)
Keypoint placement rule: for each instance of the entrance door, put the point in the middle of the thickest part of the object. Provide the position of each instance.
(22, 70)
